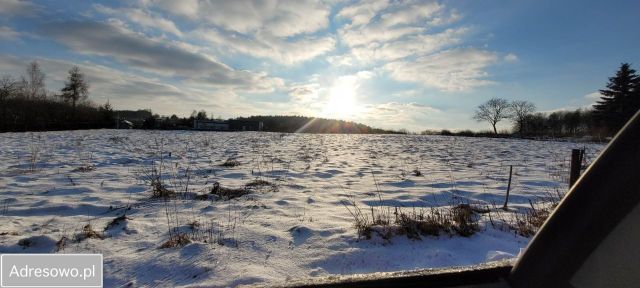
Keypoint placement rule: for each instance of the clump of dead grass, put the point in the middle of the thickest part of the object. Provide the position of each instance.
(88, 233)
(462, 220)
(226, 193)
(116, 222)
(176, 240)
(260, 183)
(193, 225)
(158, 190)
(84, 168)
(230, 162)
(527, 223)
(62, 243)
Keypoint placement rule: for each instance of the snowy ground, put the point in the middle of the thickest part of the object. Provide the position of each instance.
(300, 229)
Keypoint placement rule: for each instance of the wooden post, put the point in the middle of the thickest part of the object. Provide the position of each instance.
(576, 162)
(506, 199)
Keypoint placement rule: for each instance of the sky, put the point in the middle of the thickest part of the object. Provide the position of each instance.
(390, 64)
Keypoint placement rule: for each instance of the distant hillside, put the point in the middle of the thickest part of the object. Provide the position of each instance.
(290, 124)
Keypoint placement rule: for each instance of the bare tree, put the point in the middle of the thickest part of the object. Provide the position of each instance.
(76, 88)
(8, 87)
(493, 111)
(520, 109)
(33, 84)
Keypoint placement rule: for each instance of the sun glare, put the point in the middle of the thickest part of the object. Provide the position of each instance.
(342, 100)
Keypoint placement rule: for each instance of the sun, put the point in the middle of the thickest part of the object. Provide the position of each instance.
(342, 100)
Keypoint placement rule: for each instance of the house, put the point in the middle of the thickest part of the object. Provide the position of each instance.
(210, 125)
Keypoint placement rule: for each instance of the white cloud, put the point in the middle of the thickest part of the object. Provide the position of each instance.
(401, 36)
(450, 70)
(12, 8)
(593, 96)
(123, 90)
(164, 58)
(361, 13)
(183, 8)
(279, 18)
(511, 57)
(410, 14)
(6, 33)
(304, 92)
(264, 45)
(142, 18)
(375, 33)
(394, 115)
(340, 60)
(410, 46)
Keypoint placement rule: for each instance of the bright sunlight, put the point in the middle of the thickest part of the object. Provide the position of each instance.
(342, 99)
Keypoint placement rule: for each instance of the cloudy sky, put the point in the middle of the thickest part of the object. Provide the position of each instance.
(390, 64)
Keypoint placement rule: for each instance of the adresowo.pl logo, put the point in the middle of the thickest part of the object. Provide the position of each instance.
(51, 270)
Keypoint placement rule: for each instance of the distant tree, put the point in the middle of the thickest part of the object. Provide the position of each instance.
(573, 122)
(554, 122)
(620, 100)
(33, 84)
(107, 114)
(8, 87)
(520, 110)
(150, 122)
(202, 115)
(76, 88)
(493, 111)
(534, 124)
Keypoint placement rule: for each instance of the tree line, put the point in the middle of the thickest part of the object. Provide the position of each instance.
(619, 101)
(28, 106)
(291, 124)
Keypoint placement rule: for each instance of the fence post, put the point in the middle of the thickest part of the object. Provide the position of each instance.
(506, 199)
(576, 163)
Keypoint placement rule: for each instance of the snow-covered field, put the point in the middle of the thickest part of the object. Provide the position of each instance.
(52, 184)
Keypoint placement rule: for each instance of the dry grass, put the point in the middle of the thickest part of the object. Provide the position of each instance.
(194, 225)
(230, 162)
(226, 193)
(176, 240)
(159, 191)
(420, 223)
(84, 168)
(62, 243)
(259, 183)
(116, 222)
(462, 220)
(465, 219)
(88, 233)
(529, 222)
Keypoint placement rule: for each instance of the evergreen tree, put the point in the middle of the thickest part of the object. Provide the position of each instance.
(76, 89)
(620, 100)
